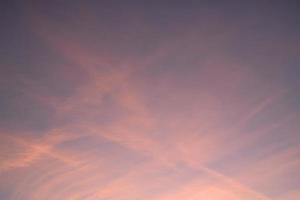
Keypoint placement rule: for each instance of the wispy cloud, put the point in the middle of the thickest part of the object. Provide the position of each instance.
(191, 115)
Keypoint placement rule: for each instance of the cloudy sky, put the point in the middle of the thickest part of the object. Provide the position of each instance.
(149, 100)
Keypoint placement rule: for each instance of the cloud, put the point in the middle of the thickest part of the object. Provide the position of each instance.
(186, 119)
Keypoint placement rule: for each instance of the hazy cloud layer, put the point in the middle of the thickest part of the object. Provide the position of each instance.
(158, 101)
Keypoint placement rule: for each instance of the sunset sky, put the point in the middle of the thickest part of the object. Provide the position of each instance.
(149, 100)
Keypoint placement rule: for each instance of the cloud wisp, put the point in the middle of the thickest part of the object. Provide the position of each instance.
(136, 113)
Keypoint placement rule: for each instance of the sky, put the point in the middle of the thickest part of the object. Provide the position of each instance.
(149, 100)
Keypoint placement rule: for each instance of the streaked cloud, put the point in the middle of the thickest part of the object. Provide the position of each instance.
(143, 109)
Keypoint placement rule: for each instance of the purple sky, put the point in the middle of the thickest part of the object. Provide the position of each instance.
(156, 100)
